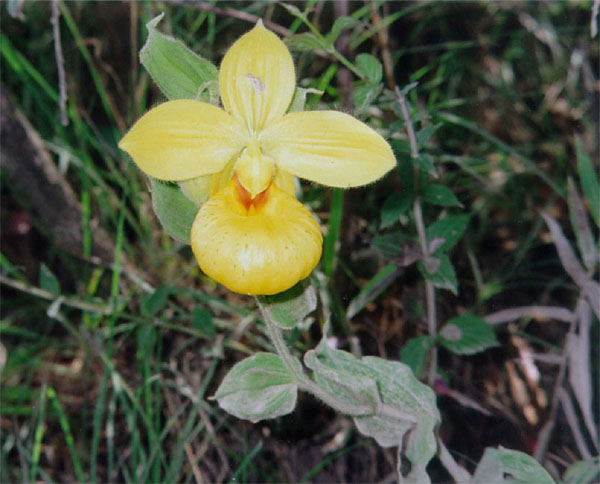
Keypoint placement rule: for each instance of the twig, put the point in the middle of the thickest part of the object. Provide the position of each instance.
(550, 312)
(133, 41)
(41, 293)
(342, 45)
(383, 39)
(60, 64)
(545, 433)
(458, 473)
(418, 214)
(231, 12)
(567, 406)
(189, 451)
(594, 19)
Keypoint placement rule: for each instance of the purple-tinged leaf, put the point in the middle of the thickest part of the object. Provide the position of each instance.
(579, 221)
(578, 350)
(565, 252)
(536, 312)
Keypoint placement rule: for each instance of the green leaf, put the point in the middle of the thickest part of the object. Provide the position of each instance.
(370, 67)
(440, 195)
(426, 163)
(395, 205)
(156, 301)
(364, 94)
(520, 467)
(400, 147)
(400, 389)
(146, 338)
(583, 472)
(450, 228)
(196, 189)
(174, 210)
(258, 388)
(425, 133)
(340, 24)
(400, 392)
(441, 272)
(581, 227)
(414, 353)
(299, 99)
(356, 391)
(588, 177)
(305, 42)
(202, 321)
(378, 283)
(48, 281)
(178, 72)
(467, 334)
(289, 308)
(391, 245)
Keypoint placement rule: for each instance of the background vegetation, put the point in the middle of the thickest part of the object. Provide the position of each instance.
(113, 341)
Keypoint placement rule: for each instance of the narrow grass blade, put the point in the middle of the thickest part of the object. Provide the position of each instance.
(38, 435)
(246, 462)
(333, 232)
(66, 429)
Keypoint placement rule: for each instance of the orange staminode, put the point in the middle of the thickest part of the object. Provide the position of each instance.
(244, 197)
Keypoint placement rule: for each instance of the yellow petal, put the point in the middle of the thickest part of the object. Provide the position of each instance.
(328, 147)
(184, 139)
(196, 189)
(221, 179)
(257, 78)
(285, 182)
(254, 170)
(262, 251)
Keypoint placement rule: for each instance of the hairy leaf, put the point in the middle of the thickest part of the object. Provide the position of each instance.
(408, 415)
(174, 210)
(258, 388)
(179, 72)
(289, 308)
(495, 463)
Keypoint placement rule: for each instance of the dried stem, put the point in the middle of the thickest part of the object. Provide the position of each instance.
(546, 431)
(383, 39)
(458, 473)
(342, 45)
(43, 294)
(571, 416)
(233, 13)
(60, 64)
(418, 214)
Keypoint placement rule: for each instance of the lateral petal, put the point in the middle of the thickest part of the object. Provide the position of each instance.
(183, 139)
(257, 78)
(263, 251)
(328, 147)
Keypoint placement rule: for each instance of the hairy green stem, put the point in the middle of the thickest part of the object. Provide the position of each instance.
(306, 384)
(302, 380)
(331, 49)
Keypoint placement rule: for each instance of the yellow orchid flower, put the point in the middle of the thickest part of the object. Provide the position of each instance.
(252, 235)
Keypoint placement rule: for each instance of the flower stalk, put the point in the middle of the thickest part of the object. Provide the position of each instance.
(418, 215)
